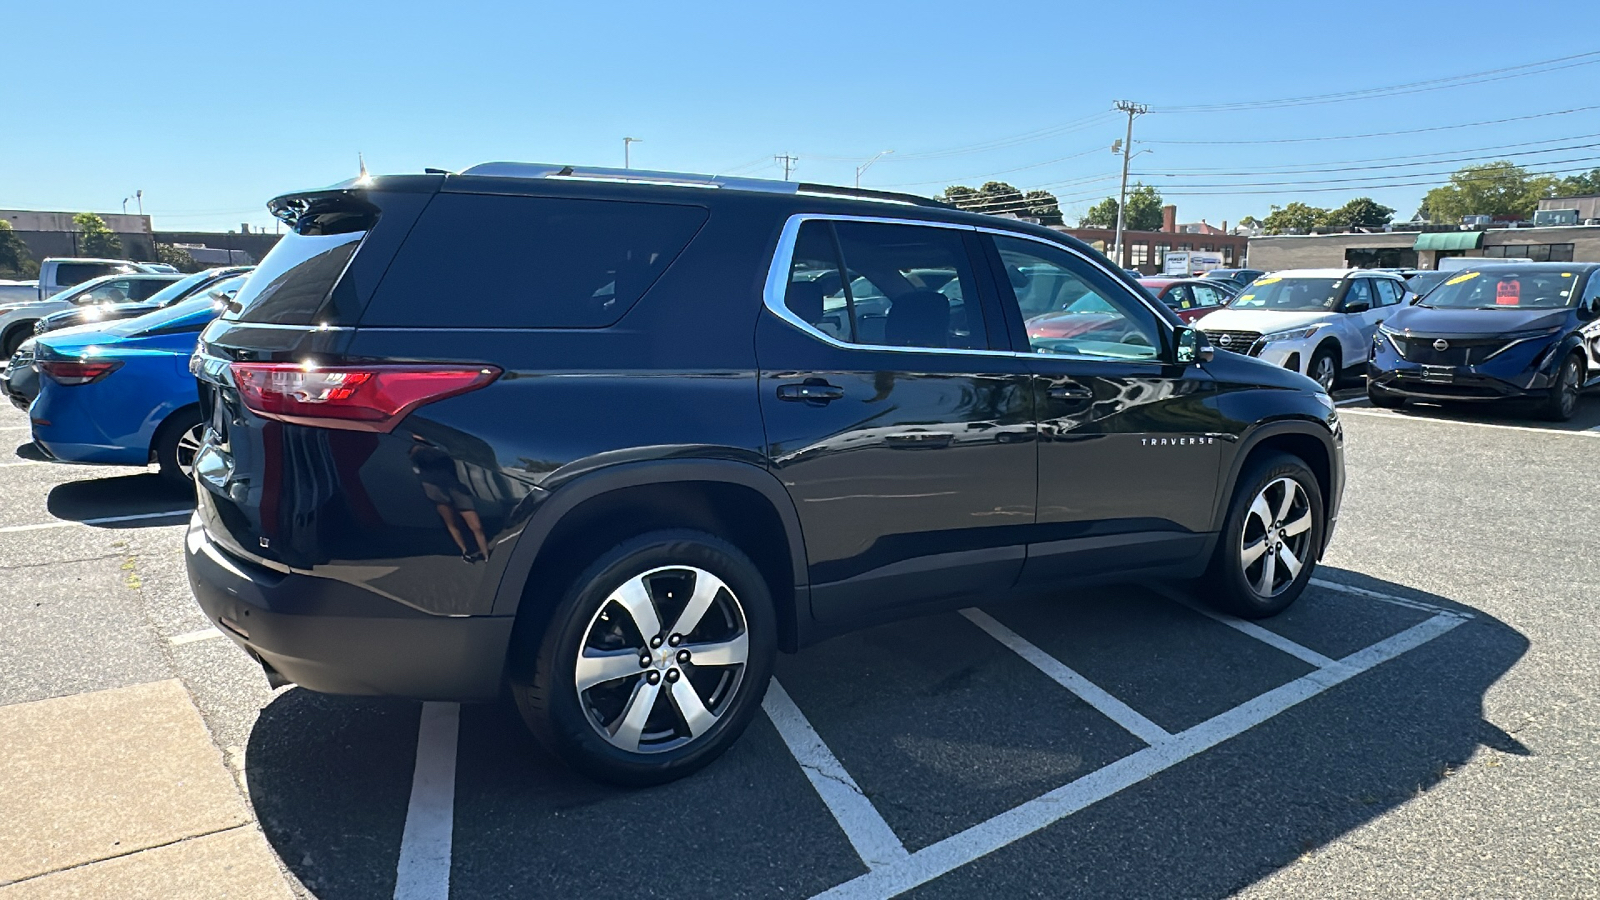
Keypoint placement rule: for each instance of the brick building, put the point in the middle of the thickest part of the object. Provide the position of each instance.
(1147, 250)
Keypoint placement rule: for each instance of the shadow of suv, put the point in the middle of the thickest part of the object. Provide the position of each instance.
(616, 437)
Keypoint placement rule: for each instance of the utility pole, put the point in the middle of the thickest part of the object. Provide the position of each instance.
(627, 144)
(787, 161)
(1132, 109)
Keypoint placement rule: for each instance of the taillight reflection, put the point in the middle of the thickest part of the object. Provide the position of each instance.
(77, 371)
(358, 398)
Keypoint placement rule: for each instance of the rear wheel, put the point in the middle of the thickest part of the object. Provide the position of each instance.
(1562, 401)
(1268, 548)
(177, 442)
(654, 661)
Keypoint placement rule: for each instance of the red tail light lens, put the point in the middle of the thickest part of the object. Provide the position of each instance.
(358, 398)
(77, 371)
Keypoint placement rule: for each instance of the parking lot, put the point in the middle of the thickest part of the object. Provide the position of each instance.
(1424, 722)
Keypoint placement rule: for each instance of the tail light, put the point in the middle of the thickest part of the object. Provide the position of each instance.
(356, 398)
(77, 371)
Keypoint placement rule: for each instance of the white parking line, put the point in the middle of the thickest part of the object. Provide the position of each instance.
(875, 842)
(424, 870)
(1270, 638)
(23, 462)
(1378, 413)
(1387, 598)
(102, 520)
(1349, 401)
(204, 634)
(984, 838)
(1086, 690)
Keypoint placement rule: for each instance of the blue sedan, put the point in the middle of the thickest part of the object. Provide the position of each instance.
(121, 393)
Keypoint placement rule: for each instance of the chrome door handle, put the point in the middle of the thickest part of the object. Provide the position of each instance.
(1069, 392)
(812, 390)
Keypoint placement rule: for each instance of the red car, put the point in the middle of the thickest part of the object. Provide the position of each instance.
(1190, 298)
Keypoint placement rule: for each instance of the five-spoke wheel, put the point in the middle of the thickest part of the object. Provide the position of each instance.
(1270, 540)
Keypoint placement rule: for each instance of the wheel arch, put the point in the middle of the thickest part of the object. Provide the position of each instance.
(23, 327)
(167, 423)
(739, 502)
(1307, 440)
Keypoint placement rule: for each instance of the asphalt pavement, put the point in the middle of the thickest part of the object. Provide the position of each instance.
(1422, 724)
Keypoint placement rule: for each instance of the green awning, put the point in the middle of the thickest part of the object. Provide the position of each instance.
(1449, 240)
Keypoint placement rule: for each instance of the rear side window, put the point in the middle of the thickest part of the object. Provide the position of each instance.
(68, 274)
(145, 288)
(486, 261)
(291, 284)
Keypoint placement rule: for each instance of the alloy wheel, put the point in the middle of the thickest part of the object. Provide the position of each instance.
(1322, 372)
(1569, 386)
(677, 631)
(189, 444)
(1275, 543)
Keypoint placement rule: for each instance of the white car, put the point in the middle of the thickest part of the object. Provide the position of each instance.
(1318, 322)
(18, 318)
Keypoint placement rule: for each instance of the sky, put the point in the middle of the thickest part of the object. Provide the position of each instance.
(211, 109)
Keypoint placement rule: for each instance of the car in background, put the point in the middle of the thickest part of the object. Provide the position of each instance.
(1318, 322)
(1425, 281)
(18, 291)
(57, 273)
(1190, 298)
(20, 381)
(121, 394)
(210, 280)
(17, 319)
(1238, 277)
(1526, 332)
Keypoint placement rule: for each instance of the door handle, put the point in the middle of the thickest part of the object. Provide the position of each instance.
(1069, 392)
(919, 439)
(812, 390)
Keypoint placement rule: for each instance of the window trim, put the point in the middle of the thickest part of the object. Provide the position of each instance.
(776, 288)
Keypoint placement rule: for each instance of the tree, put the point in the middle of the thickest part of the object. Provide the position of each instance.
(177, 257)
(1362, 212)
(14, 256)
(1296, 217)
(1144, 211)
(97, 237)
(1578, 185)
(1000, 198)
(1492, 189)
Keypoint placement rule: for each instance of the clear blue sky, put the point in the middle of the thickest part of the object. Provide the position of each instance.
(213, 108)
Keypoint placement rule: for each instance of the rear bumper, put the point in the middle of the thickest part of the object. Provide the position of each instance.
(337, 638)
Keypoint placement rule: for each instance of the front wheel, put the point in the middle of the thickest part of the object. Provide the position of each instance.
(1268, 548)
(1562, 402)
(654, 661)
(1324, 368)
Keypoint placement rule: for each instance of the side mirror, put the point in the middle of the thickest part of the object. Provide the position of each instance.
(1357, 306)
(1589, 311)
(1193, 346)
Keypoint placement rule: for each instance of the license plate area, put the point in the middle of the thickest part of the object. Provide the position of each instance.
(1438, 374)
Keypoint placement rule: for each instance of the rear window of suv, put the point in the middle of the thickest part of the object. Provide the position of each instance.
(490, 261)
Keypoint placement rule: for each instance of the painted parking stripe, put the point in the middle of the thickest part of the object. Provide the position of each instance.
(875, 842)
(1086, 690)
(1271, 639)
(984, 838)
(102, 520)
(204, 634)
(424, 870)
(1387, 598)
(1378, 413)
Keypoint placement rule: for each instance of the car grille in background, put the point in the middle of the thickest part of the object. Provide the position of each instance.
(1419, 348)
(23, 357)
(1237, 341)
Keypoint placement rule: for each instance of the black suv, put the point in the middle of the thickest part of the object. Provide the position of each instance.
(615, 437)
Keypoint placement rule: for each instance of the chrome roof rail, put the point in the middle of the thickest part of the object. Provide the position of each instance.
(686, 179)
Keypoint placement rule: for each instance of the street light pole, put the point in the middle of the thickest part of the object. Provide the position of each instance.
(868, 164)
(1132, 109)
(627, 144)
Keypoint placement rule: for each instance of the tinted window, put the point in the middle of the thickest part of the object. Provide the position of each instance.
(291, 284)
(1070, 311)
(171, 293)
(480, 261)
(910, 286)
(145, 288)
(68, 274)
(816, 292)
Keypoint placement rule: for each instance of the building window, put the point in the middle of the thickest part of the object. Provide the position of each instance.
(1161, 253)
(1138, 254)
(1185, 246)
(1535, 252)
(1206, 248)
(1227, 256)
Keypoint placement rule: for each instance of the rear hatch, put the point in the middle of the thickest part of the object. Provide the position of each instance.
(286, 331)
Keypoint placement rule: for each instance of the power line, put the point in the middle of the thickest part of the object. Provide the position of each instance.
(1285, 170)
(1518, 71)
(1372, 179)
(1378, 134)
(1216, 190)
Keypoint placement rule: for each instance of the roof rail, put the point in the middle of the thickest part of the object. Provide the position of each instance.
(686, 179)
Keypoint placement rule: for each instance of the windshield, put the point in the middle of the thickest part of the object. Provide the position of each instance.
(1505, 287)
(1290, 294)
(97, 290)
(177, 290)
(195, 311)
(1424, 282)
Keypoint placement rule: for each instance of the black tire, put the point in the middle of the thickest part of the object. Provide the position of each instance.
(569, 725)
(1226, 584)
(173, 449)
(1382, 399)
(14, 338)
(1325, 356)
(1562, 401)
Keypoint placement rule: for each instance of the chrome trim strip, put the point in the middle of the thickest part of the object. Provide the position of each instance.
(777, 285)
